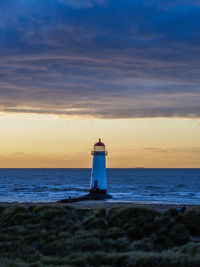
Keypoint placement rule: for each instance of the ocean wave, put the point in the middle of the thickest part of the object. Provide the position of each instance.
(152, 187)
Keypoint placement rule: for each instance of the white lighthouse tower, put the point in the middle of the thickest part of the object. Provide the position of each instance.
(98, 176)
(98, 186)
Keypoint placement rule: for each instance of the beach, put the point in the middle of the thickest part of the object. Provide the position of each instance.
(96, 204)
(114, 204)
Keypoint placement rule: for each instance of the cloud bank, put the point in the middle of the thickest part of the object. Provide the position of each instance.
(100, 58)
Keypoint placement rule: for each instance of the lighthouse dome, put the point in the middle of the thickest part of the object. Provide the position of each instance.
(99, 146)
(99, 143)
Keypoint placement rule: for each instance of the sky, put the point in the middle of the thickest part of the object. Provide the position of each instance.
(72, 71)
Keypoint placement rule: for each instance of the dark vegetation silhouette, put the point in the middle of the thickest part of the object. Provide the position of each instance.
(58, 235)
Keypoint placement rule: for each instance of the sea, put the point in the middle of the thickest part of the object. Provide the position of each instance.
(143, 185)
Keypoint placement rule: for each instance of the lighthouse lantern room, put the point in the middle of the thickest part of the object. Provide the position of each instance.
(98, 175)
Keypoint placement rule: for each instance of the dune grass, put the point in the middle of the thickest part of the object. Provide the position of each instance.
(58, 235)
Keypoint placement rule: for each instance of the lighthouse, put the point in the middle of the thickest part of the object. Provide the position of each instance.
(98, 175)
(98, 185)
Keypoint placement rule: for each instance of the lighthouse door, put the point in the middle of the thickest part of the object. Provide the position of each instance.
(95, 184)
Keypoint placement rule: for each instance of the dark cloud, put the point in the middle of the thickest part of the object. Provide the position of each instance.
(103, 58)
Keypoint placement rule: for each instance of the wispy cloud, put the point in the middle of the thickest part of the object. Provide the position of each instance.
(173, 150)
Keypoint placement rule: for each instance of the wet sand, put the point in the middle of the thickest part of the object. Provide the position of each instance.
(161, 207)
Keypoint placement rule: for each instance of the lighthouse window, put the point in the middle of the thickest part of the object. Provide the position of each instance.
(99, 148)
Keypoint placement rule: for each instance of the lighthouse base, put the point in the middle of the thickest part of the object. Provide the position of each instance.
(90, 196)
(98, 191)
(96, 196)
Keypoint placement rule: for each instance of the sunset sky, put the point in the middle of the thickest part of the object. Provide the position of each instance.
(127, 71)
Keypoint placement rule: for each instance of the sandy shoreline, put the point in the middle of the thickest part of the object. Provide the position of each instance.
(106, 204)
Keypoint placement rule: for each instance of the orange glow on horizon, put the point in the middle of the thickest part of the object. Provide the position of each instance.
(47, 141)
